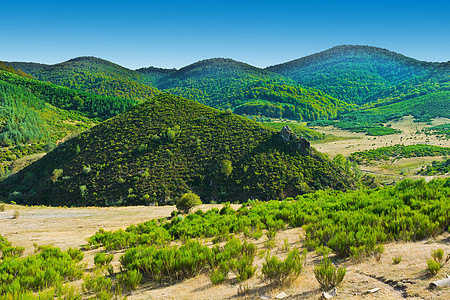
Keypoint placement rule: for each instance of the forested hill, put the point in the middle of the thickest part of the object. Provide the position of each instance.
(167, 146)
(95, 75)
(354, 73)
(225, 83)
(219, 83)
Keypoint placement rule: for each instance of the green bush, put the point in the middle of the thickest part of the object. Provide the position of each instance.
(433, 266)
(283, 272)
(130, 279)
(188, 201)
(328, 275)
(102, 259)
(437, 261)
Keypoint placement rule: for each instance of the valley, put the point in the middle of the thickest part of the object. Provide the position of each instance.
(185, 183)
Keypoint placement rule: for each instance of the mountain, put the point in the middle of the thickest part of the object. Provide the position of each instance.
(225, 83)
(359, 74)
(94, 75)
(167, 146)
(219, 83)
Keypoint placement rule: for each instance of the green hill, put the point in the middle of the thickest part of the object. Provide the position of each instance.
(28, 124)
(90, 105)
(358, 74)
(94, 75)
(219, 83)
(225, 83)
(169, 145)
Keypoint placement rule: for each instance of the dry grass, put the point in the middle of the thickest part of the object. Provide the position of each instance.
(69, 227)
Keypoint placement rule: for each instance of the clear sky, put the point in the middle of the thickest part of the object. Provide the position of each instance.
(173, 34)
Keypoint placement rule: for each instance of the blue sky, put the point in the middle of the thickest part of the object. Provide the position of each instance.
(172, 34)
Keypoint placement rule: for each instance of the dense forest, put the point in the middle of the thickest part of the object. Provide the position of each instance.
(94, 75)
(168, 146)
(356, 73)
(28, 123)
(90, 105)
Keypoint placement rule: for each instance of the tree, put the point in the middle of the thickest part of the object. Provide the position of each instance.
(188, 201)
(226, 167)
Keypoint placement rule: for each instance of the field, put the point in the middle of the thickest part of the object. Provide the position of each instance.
(69, 227)
(411, 134)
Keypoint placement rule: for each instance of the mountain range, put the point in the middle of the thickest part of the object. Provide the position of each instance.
(146, 129)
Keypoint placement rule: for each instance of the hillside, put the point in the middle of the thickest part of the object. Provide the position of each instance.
(225, 83)
(90, 105)
(94, 75)
(169, 145)
(28, 124)
(218, 83)
(356, 73)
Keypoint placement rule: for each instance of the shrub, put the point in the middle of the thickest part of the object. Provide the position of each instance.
(396, 260)
(433, 266)
(328, 275)
(188, 201)
(218, 276)
(2, 206)
(102, 259)
(283, 273)
(130, 279)
(75, 254)
(437, 262)
(16, 214)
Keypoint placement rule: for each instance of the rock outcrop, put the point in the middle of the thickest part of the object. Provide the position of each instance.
(299, 143)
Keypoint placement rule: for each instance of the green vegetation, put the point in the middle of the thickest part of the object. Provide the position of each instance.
(423, 108)
(183, 143)
(328, 275)
(437, 167)
(437, 261)
(188, 201)
(361, 122)
(300, 130)
(224, 83)
(352, 223)
(94, 75)
(442, 130)
(28, 124)
(361, 74)
(396, 260)
(283, 272)
(90, 105)
(49, 267)
(397, 152)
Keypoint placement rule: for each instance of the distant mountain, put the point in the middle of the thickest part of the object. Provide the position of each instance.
(225, 83)
(167, 146)
(94, 75)
(357, 74)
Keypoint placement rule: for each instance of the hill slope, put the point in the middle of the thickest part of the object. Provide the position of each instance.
(354, 73)
(28, 124)
(158, 150)
(225, 83)
(94, 75)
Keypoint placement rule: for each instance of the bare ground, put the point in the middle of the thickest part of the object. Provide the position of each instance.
(69, 227)
(389, 170)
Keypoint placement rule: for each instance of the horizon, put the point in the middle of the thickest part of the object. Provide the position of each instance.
(175, 34)
(210, 58)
